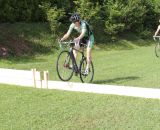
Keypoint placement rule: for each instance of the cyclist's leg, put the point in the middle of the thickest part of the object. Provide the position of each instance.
(77, 46)
(89, 50)
(89, 57)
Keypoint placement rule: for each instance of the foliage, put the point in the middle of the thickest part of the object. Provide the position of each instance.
(25, 10)
(123, 15)
(113, 16)
(54, 15)
(152, 13)
(88, 10)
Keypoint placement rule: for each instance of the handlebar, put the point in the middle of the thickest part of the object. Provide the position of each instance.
(156, 38)
(65, 44)
(68, 44)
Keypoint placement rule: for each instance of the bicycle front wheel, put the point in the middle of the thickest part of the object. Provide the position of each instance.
(86, 78)
(63, 66)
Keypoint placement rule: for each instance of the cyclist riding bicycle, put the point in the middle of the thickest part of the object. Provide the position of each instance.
(157, 31)
(85, 37)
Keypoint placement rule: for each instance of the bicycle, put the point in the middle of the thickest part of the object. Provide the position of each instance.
(157, 46)
(66, 64)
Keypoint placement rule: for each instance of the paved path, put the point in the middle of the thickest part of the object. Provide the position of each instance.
(30, 79)
(106, 89)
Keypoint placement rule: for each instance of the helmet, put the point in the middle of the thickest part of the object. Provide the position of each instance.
(75, 17)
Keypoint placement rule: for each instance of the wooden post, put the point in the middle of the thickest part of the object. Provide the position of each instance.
(41, 77)
(34, 77)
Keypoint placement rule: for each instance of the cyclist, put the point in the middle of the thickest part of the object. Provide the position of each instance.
(86, 37)
(158, 28)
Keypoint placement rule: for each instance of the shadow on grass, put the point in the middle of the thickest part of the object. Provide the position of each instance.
(23, 42)
(125, 41)
(27, 52)
(116, 80)
(24, 59)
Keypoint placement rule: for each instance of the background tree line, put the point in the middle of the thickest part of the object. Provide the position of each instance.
(113, 16)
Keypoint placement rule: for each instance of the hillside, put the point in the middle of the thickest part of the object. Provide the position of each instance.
(30, 39)
(22, 39)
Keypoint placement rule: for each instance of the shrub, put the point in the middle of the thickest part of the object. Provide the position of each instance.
(88, 10)
(123, 15)
(54, 15)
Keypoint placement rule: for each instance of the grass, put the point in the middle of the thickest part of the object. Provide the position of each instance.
(36, 109)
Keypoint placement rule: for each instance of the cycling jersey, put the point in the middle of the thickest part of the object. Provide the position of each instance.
(88, 35)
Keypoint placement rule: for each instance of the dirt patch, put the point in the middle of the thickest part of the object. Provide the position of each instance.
(14, 46)
(4, 52)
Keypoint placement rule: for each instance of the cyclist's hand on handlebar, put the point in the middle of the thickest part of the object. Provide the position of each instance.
(61, 40)
(154, 37)
(76, 39)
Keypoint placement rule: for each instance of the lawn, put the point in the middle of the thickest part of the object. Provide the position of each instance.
(36, 109)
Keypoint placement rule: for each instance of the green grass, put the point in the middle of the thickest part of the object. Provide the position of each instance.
(36, 109)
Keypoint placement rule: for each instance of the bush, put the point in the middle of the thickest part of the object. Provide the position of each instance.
(145, 34)
(24, 10)
(54, 15)
(88, 10)
(123, 15)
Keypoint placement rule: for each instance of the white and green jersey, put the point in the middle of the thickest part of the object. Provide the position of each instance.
(83, 28)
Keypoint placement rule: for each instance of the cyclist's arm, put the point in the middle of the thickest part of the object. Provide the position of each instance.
(64, 37)
(82, 34)
(84, 30)
(68, 32)
(157, 31)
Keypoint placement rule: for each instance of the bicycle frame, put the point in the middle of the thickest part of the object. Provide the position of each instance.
(71, 48)
(75, 66)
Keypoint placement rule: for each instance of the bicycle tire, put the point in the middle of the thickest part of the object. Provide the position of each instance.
(157, 50)
(90, 76)
(64, 61)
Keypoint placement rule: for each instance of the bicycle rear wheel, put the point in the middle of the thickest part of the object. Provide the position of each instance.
(157, 50)
(64, 71)
(86, 78)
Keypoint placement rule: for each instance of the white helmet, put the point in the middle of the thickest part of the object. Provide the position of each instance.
(75, 17)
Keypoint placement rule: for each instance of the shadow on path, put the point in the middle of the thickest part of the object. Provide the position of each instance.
(116, 80)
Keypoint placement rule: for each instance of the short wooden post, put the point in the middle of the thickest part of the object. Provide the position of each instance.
(34, 77)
